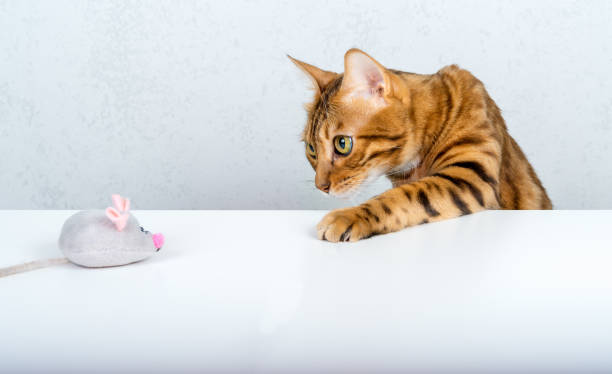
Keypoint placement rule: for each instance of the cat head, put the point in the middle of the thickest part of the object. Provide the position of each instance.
(356, 128)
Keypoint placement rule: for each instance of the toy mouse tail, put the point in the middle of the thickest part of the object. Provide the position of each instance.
(32, 265)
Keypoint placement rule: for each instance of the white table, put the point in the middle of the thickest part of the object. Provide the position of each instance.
(246, 291)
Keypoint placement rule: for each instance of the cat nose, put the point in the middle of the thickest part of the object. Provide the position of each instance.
(322, 178)
(323, 186)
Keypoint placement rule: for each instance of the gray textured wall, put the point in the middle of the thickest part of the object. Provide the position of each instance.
(193, 104)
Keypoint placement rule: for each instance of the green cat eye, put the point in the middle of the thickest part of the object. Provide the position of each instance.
(343, 144)
(310, 150)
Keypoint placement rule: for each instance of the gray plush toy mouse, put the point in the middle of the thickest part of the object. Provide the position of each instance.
(100, 238)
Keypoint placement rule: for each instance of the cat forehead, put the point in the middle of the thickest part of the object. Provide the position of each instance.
(343, 120)
(330, 112)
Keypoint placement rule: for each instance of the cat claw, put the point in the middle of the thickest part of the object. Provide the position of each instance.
(342, 225)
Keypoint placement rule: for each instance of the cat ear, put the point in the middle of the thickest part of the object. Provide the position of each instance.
(320, 78)
(365, 77)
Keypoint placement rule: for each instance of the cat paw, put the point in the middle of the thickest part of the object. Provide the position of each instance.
(343, 225)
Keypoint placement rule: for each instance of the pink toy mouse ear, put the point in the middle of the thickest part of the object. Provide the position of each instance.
(121, 203)
(120, 220)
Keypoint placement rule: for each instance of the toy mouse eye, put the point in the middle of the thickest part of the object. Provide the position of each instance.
(343, 145)
(310, 150)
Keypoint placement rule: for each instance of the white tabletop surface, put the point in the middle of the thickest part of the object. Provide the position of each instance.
(255, 291)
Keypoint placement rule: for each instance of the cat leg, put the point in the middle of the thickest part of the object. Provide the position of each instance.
(459, 189)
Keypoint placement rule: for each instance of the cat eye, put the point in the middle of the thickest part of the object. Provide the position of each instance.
(310, 150)
(343, 144)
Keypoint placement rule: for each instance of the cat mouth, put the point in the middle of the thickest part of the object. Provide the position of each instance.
(346, 189)
(351, 186)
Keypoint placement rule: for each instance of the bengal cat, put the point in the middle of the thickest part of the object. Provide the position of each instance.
(439, 138)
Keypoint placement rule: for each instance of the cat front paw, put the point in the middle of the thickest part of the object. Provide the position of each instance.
(343, 225)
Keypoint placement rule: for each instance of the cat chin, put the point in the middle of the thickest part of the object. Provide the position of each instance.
(344, 194)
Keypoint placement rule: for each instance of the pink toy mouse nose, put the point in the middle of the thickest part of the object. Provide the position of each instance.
(158, 240)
